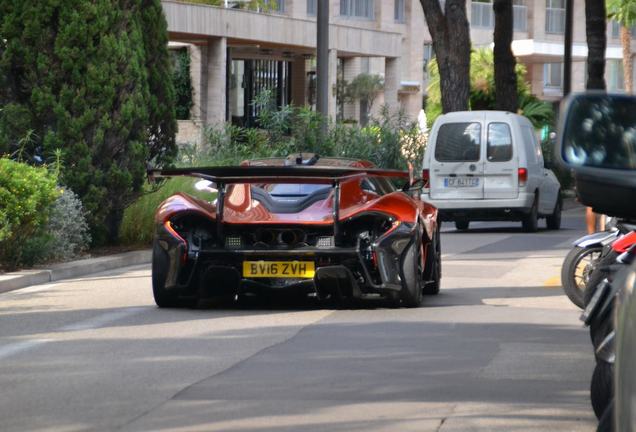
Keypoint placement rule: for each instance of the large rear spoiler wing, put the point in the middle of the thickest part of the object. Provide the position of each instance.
(224, 175)
(275, 174)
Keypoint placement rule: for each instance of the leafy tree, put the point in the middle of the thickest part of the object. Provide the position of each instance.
(364, 88)
(505, 62)
(451, 43)
(624, 11)
(482, 90)
(92, 78)
(595, 29)
(182, 84)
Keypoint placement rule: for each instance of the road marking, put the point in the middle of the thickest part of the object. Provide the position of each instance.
(18, 347)
(554, 281)
(100, 320)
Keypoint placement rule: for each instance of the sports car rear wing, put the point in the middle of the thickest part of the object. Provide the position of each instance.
(224, 175)
(275, 174)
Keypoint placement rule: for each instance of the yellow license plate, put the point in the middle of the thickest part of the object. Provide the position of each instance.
(279, 269)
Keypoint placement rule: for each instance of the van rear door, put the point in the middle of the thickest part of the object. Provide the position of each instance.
(456, 167)
(502, 162)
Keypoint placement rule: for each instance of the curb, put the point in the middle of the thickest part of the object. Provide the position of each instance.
(72, 269)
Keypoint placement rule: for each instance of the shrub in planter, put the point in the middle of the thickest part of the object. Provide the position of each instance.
(67, 227)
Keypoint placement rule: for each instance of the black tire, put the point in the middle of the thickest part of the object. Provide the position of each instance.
(600, 272)
(411, 294)
(462, 225)
(606, 422)
(433, 270)
(602, 387)
(553, 221)
(164, 298)
(530, 222)
(575, 272)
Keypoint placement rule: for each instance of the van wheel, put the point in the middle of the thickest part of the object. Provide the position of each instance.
(462, 224)
(530, 222)
(553, 221)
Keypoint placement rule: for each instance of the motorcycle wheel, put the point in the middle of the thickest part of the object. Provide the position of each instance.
(602, 388)
(575, 272)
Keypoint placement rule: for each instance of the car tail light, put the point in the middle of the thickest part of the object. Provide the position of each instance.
(523, 176)
(175, 234)
(426, 177)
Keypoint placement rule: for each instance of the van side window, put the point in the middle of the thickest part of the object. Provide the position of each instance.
(458, 142)
(534, 149)
(499, 145)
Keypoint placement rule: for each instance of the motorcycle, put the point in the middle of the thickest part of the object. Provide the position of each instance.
(581, 261)
(599, 315)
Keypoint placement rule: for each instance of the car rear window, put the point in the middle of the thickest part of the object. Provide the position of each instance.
(499, 145)
(458, 142)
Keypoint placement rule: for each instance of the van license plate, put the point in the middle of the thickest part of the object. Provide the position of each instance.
(279, 269)
(458, 182)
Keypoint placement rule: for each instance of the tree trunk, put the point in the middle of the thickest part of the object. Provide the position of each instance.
(596, 42)
(505, 62)
(626, 42)
(451, 42)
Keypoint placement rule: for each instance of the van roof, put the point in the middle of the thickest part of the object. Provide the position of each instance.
(479, 115)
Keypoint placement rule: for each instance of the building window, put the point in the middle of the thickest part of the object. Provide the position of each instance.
(616, 30)
(519, 16)
(555, 16)
(429, 54)
(357, 8)
(552, 75)
(399, 12)
(615, 77)
(365, 67)
(311, 7)
(482, 14)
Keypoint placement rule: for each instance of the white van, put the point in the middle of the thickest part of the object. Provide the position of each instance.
(488, 166)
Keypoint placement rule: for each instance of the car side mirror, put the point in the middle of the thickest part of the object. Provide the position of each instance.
(597, 141)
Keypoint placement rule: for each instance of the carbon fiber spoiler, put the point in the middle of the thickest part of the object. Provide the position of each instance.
(275, 174)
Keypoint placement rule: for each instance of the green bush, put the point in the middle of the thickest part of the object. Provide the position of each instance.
(67, 227)
(27, 194)
(137, 225)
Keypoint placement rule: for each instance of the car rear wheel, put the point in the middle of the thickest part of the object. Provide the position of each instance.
(530, 222)
(433, 270)
(553, 221)
(164, 298)
(411, 294)
(462, 225)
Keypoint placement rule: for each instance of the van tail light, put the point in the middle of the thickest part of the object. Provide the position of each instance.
(426, 178)
(523, 176)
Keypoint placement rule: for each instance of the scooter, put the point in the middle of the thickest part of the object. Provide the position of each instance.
(599, 316)
(580, 262)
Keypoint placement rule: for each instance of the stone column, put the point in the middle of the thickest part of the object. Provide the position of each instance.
(298, 82)
(216, 81)
(333, 71)
(198, 59)
(351, 67)
(391, 83)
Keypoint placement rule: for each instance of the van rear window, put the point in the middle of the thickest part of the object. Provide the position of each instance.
(458, 142)
(499, 145)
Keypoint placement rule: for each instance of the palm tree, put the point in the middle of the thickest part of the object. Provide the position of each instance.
(595, 30)
(624, 11)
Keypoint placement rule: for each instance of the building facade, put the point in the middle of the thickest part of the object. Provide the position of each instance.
(236, 54)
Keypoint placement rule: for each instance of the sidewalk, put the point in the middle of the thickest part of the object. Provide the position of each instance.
(72, 269)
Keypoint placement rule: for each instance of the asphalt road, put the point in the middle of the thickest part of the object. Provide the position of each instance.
(500, 349)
